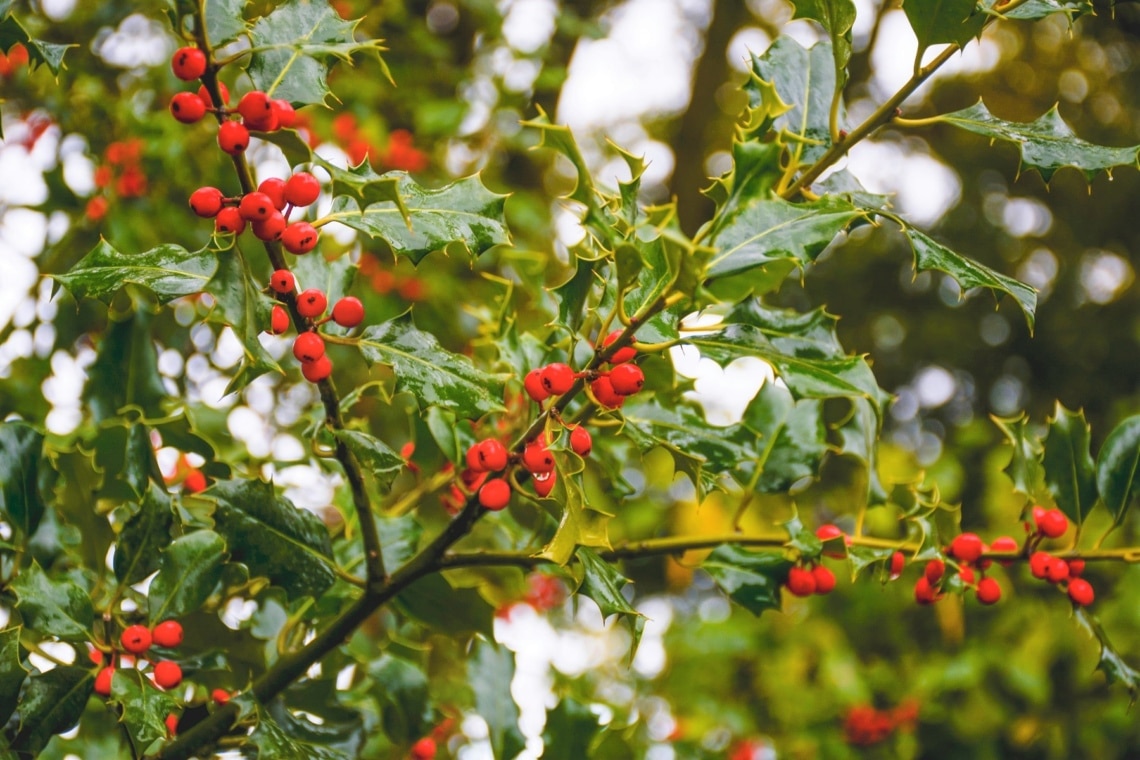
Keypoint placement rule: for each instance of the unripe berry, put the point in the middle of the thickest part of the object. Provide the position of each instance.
(229, 220)
(274, 187)
(627, 379)
(537, 458)
(167, 674)
(308, 347)
(1053, 523)
(187, 107)
(311, 303)
(604, 392)
(135, 639)
(233, 138)
(317, 371)
(302, 189)
(424, 749)
(204, 94)
(898, 562)
(495, 494)
(801, 582)
(1057, 571)
(492, 455)
(167, 634)
(924, 593)
(580, 441)
(557, 378)
(622, 355)
(188, 63)
(206, 202)
(270, 228)
(532, 383)
(988, 591)
(278, 320)
(348, 312)
(286, 116)
(256, 206)
(544, 482)
(1081, 592)
(103, 681)
(221, 696)
(1039, 563)
(824, 579)
(934, 571)
(966, 547)
(255, 108)
(300, 238)
(283, 281)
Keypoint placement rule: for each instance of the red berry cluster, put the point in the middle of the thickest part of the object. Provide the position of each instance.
(865, 725)
(804, 581)
(309, 346)
(609, 388)
(136, 640)
(14, 60)
(121, 175)
(266, 209)
(400, 153)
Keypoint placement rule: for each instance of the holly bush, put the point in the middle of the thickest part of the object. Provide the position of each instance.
(354, 429)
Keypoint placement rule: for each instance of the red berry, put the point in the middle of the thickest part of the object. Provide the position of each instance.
(317, 371)
(898, 562)
(1053, 523)
(801, 582)
(1057, 571)
(557, 378)
(256, 206)
(604, 392)
(924, 592)
(302, 189)
(1081, 592)
(286, 116)
(221, 696)
(966, 573)
(934, 571)
(233, 138)
(255, 108)
(1076, 567)
(206, 202)
(135, 639)
(103, 681)
(1037, 513)
(348, 312)
(966, 547)
(274, 187)
(544, 482)
(187, 107)
(204, 94)
(195, 481)
(188, 63)
(300, 238)
(827, 532)
(229, 220)
(1004, 544)
(271, 228)
(312, 303)
(627, 379)
(534, 387)
(424, 749)
(824, 579)
(167, 634)
(622, 355)
(537, 458)
(1039, 563)
(172, 724)
(167, 674)
(283, 281)
(495, 494)
(492, 455)
(308, 347)
(279, 320)
(988, 591)
(580, 441)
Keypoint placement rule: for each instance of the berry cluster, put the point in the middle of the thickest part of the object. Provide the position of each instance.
(136, 640)
(609, 388)
(400, 153)
(266, 209)
(804, 581)
(865, 725)
(309, 346)
(121, 175)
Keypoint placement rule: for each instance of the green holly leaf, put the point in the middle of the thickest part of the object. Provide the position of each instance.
(847, 186)
(603, 583)
(53, 608)
(579, 524)
(751, 579)
(40, 52)
(755, 171)
(560, 139)
(805, 80)
(51, 704)
(858, 437)
(224, 20)
(1039, 9)
(793, 438)
(125, 371)
(144, 706)
(1070, 472)
(1115, 669)
(1024, 467)
(669, 263)
(143, 537)
(837, 17)
(570, 730)
(1118, 467)
(273, 538)
(243, 306)
(1046, 144)
(944, 21)
(435, 376)
(188, 570)
(436, 604)
(929, 254)
(294, 45)
(373, 454)
(490, 669)
(274, 743)
(125, 455)
(463, 218)
(311, 712)
(862, 557)
(401, 688)
(12, 671)
(21, 450)
(168, 271)
(572, 295)
(76, 502)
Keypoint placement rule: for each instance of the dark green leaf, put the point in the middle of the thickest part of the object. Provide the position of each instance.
(1070, 472)
(243, 306)
(293, 47)
(805, 80)
(1118, 468)
(929, 254)
(402, 690)
(434, 375)
(489, 671)
(272, 537)
(144, 706)
(223, 20)
(373, 454)
(669, 263)
(399, 537)
(859, 436)
(452, 438)
(12, 672)
(143, 537)
(754, 174)
(1039, 9)
(76, 503)
(1115, 669)
(53, 608)
(939, 21)
(751, 579)
(578, 524)
(125, 371)
(793, 439)
(273, 743)
(454, 611)
(802, 539)
(837, 18)
(862, 557)
(603, 583)
(125, 454)
(169, 271)
(463, 218)
(21, 449)
(40, 52)
(189, 570)
(573, 294)
(1047, 144)
(846, 185)
(570, 730)
(1024, 467)
(311, 712)
(51, 704)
